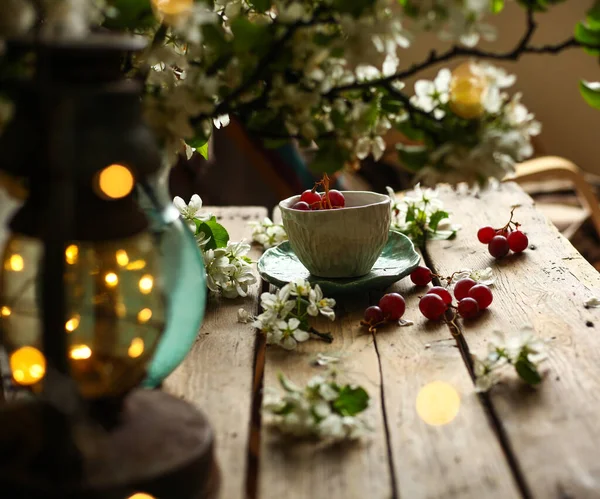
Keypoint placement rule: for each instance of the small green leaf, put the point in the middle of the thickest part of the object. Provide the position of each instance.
(260, 5)
(497, 6)
(590, 91)
(593, 17)
(410, 213)
(588, 36)
(436, 218)
(527, 371)
(351, 401)
(203, 150)
(219, 237)
(285, 409)
(287, 385)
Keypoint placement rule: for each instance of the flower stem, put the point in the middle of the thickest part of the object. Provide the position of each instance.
(326, 337)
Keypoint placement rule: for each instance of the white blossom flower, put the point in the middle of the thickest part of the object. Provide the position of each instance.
(482, 276)
(429, 95)
(300, 287)
(244, 316)
(190, 212)
(267, 233)
(370, 145)
(217, 268)
(319, 304)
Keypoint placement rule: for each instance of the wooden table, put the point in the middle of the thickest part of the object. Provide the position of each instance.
(512, 442)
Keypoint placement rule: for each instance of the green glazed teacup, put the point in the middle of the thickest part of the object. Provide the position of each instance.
(341, 242)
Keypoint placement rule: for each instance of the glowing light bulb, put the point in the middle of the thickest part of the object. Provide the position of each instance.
(16, 263)
(28, 365)
(80, 352)
(144, 315)
(136, 265)
(71, 254)
(136, 348)
(111, 279)
(146, 283)
(115, 181)
(438, 403)
(5, 311)
(72, 324)
(141, 495)
(172, 7)
(122, 258)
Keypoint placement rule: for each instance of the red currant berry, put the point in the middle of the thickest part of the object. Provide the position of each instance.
(485, 234)
(517, 241)
(461, 288)
(335, 197)
(468, 308)
(421, 276)
(442, 293)
(482, 294)
(373, 315)
(301, 205)
(503, 232)
(498, 247)
(432, 307)
(393, 306)
(311, 198)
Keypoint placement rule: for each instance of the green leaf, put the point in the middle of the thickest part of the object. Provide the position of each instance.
(351, 401)
(285, 409)
(287, 385)
(436, 218)
(413, 157)
(588, 36)
(330, 158)
(590, 91)
(497, 6)
(527, 371)
(260, 5)
(203, 150)
(410, 213)
(593, 17)
(219, 237)
(131, 14)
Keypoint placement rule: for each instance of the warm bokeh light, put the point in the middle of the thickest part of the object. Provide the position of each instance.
(121, 310)
(115, 181)
(16, 263)
(438, 403)
(122, 258)
(467, 90)
(28, 365)
(72, 324)
(136, 265)
(80, 352)
(71, 254)
(136, 348)
(5, 311)
(144, 315)
(146, 283)
(141, 495)
(111, 279)
(173, 7)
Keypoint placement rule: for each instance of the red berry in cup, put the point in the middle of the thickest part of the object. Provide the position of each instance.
(482, 294)
(468, 307)
(421, 276)
(486, 234)
(442, 293)
(517, 241)
(311, 198)
(462, 287)
(393, 306)
(373, 315)
(336, 198)
(432, 307)
(498, 247)
(301, 205)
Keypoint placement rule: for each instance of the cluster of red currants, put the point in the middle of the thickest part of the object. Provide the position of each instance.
(390, 308)
(312, 200)
(501, 241)
(471, 297)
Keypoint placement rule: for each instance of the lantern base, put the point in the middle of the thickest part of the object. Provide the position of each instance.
(161, 446)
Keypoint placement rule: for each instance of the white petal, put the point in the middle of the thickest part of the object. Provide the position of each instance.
(300, 335)
(195, 202)
(289, 343)
(179, 203)
(293, 323)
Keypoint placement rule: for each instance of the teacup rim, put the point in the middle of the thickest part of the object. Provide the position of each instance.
(384, 199)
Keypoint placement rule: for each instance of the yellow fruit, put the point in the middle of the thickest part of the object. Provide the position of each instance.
(467, 89)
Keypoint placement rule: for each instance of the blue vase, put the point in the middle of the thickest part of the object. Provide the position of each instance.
(182, 268)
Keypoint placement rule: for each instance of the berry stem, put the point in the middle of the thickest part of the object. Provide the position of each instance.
(326, 337)
(453, 326)
(516, 224)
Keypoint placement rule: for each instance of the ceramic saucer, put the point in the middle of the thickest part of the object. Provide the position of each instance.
(280, 265)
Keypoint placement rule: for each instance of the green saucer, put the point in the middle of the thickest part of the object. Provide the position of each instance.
(280, 265)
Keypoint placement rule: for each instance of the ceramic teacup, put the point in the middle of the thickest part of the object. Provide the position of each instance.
(342, 242)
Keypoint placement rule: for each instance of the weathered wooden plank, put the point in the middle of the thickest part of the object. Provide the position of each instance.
(553, 430)
(218, 372)
(300, 470)
(443, 446)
